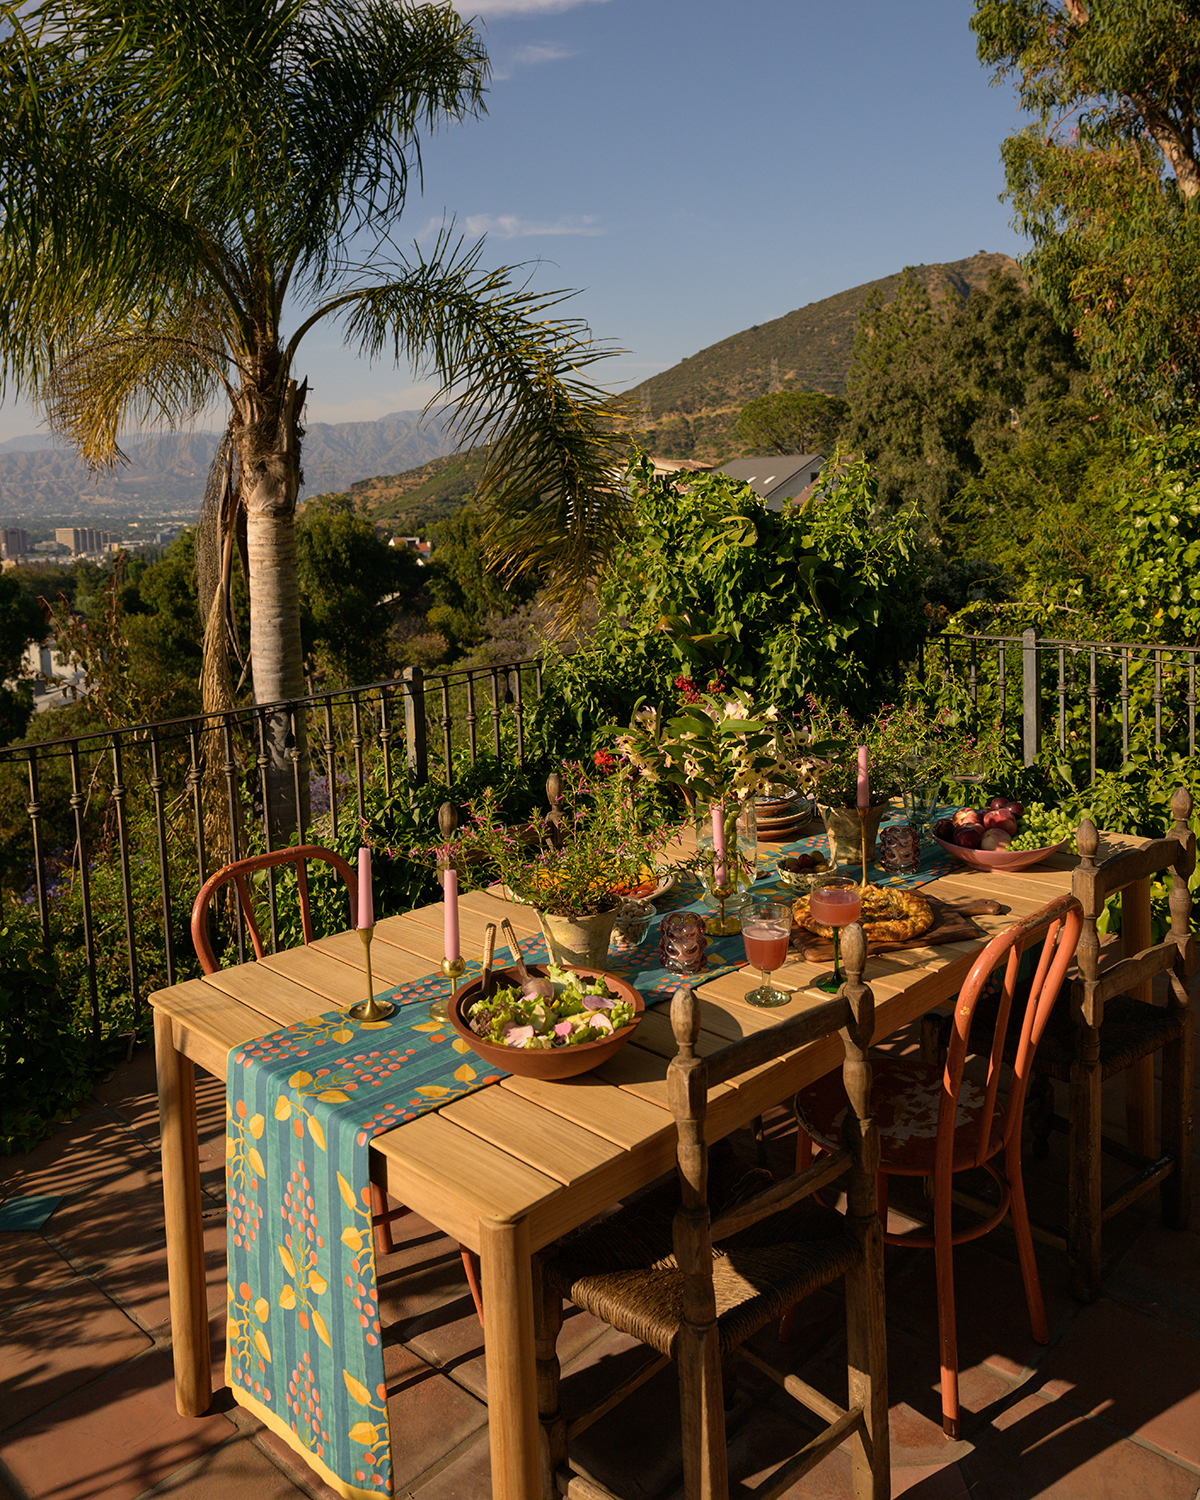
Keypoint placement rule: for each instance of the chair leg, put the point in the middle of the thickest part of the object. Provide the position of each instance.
(1177, 1125)
(547, 1322)
(702, 1413)
(1024, 1237)
(1083, 1194)
(866, 1349)
(471, 1266)
(804, 1156)
(381, 1228)
(943, 1256)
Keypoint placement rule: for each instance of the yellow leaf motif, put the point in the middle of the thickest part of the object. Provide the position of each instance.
(298, 1080)
(262, 1309)
(346, 1191)
(232, 1330)
(287, 1297)
(230, 1147)
(341, 1036)
(352, 1238)
(429, 1026)
(465, 1073)
(283, 1108)
(256, 1125)
(285, 1255)
(357, 1389)
(372, 1025)
(314, 1023)
(432, 1090)
(256, 1162)
(228, 1110)
(322, 1331)
(459, 1045)
(363, 1432)
(332, 1096)
(263, 1347)
(317, 1282)
(314, 1129)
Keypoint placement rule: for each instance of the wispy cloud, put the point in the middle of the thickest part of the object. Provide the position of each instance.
(486, 8)
(513, 227)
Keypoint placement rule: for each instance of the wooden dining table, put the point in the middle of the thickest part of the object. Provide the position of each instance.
(512, 1167)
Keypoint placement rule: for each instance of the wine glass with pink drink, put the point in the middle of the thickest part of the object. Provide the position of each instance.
(834, 901)
(766, 927)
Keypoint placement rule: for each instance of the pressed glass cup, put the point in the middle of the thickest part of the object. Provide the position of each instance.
(766, 927)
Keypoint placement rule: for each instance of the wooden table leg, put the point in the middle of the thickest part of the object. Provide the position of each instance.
(510, 1359)
(1139, 1079)
(185, 1237)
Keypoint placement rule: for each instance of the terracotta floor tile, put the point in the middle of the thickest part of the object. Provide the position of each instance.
(28, 1263)
(113, 1439)
(468, 1476)
(633, 1449)
(241, 1470)
(430, 1416)
(1140, 1375)
(139, 1282)
(1048, 1450)
(70, 1336)
(1160, 1275)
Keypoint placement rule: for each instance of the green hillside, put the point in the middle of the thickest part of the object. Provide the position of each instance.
(690, 410)
(409, 503)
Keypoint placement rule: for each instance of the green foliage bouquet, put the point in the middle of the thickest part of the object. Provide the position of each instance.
(601, 840)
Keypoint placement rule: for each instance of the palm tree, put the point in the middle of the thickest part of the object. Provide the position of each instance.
(174, 173)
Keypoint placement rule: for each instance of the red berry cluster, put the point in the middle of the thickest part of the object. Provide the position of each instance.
(304, 1401)
(299, 1209)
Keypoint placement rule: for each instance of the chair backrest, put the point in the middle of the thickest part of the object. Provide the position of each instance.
(1093, 883)
(1058, 924)
(689, 1079)
(238, 871)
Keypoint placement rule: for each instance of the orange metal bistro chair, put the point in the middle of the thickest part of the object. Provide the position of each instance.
(238, 872)
(934, 1122)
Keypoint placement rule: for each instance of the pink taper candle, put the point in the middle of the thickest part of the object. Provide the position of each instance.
(864, 785)
(366, 900)
(450, 929)
(718, 827)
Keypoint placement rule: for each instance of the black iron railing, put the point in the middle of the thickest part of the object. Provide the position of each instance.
(129, 822)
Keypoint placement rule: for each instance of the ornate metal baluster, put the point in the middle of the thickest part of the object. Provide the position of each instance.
(1191, 702)
(78, 806)
(1093, 706)
(195, 783)
(519, 709)
(329, 746)
(357, 741)
(1000, 688)
(1158, 699)
(39, 859)
(496, 711)
(292, 750)
(264, 762)
(230, 768)
(537, 676)
(385, 741)
(447, 747)
(1125, 702)
(158, 791)
(118, 797)
(1062, 698)
(472, 716)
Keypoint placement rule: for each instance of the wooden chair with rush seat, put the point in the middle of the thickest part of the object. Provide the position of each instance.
(934, 1122)
(694, 1268)
(298, 857)
(1112, 1026)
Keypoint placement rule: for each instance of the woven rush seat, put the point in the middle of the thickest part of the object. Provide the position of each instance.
(624, 1271)
(1132, 1029)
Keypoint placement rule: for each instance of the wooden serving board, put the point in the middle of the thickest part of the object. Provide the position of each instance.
(951, 924)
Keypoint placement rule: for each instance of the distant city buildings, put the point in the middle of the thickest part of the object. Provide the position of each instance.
(14, 543)
(424, 550)
(83, 541)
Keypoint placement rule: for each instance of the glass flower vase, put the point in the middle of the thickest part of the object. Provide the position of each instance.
(727, 858)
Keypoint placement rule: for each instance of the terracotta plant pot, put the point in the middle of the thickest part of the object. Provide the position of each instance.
(581, 942)
(845, 831)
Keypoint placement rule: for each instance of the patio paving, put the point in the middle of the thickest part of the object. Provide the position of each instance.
(1110, 1408)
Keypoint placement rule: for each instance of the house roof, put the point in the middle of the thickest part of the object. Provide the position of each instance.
(778, 477)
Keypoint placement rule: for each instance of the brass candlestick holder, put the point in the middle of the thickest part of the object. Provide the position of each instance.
(862, 818)
(370, 1009)
(453, 969)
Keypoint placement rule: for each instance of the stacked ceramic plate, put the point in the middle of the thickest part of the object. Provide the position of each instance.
(781, 814)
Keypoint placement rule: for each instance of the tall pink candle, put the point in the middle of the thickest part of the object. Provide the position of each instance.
(718, 828)
(864, 785)
(450, 928)
(366, 899)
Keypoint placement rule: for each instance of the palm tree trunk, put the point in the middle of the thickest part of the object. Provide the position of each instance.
(270, 482)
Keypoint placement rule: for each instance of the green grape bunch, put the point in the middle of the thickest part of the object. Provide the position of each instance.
(1042, 826)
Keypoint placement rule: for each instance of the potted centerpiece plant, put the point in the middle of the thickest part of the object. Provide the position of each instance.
(601, 839)
(719, 749)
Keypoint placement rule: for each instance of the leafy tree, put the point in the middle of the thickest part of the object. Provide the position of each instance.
(792, 421)
(938, 392)
(348, 578)
(1106, 181)
(172, 174)
(22, 620)
(465, 589)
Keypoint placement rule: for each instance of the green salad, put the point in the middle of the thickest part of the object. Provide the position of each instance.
(582, 1011)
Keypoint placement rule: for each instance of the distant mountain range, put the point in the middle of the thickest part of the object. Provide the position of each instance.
(690, 410)
(42, 482)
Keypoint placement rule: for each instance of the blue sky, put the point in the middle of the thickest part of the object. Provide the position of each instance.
(697, 166)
